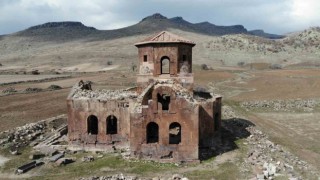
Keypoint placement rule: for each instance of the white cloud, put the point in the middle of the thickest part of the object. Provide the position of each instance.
(306, 11)
(273, 15)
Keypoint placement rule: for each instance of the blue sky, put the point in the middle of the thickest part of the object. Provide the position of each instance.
(274, 16)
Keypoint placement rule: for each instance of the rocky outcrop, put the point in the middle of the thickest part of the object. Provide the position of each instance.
(61, 25)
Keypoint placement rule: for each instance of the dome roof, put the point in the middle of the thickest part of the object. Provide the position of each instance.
(165, 37)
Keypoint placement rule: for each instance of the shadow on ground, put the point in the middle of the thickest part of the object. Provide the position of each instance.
(231, 130)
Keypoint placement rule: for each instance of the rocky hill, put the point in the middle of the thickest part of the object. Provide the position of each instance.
(66, 31)
(72, 46)
(305, 39)
(59, 31)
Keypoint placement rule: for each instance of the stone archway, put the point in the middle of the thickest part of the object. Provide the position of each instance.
(175, 133)
(152, 132)
(92, 125)
(112, 125)
(165, 65)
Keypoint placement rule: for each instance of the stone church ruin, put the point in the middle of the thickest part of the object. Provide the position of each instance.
(162, 119)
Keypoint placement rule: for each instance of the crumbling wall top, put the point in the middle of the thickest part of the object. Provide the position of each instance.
(102, 94)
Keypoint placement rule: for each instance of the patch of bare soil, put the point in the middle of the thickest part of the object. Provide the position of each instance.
(205, 77)
(299, 131)
(20, 108)
(7, 79)
(280, 84)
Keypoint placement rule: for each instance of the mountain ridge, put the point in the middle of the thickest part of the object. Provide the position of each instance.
(69, 30)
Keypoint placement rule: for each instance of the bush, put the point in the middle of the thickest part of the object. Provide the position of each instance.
(32, 90)
(241, 63)
(9, 90)
(275, 66)
(35, 72)
(54, 87)
(133, 67)
(109, 63)
(204, 67)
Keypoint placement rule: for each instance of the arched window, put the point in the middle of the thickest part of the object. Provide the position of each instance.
(92, 125)
(112, 125)
(165, 65)
(174, 133)
(216, 122)
(152, 132)
(164, 99)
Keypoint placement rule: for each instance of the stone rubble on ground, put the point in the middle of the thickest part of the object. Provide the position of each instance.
(272, 159)
(228, 112)
(9, 90)
(127, 177)
(21, 136)
(87, 159)
(265, 158)
(291, 105)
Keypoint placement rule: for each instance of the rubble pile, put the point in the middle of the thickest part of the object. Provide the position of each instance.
(291, 105)
(87, 159)
(21, 136)
(271, 159)
(181, 91)
(228, 112)
(9, 90)
(104, 94)
(176, 87)
(124, 177)
(265, 159)
(33, 90)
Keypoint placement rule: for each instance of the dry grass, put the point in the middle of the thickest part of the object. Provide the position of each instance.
(20, 53)
(298, 131)
(280, 84)
(205, 77)
(19, 109)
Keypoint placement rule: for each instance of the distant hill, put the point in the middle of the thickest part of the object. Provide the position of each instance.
(66, 31)
(59, 31)
(304, 39)
(72, 46)
(261, 33)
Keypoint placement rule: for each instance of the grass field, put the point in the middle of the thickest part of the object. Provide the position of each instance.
(298, 132)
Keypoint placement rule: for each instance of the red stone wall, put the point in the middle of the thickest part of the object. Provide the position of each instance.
(180, 111)
(80, 110)
(185, 50)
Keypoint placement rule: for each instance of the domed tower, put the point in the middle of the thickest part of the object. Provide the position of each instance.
(165, 56)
